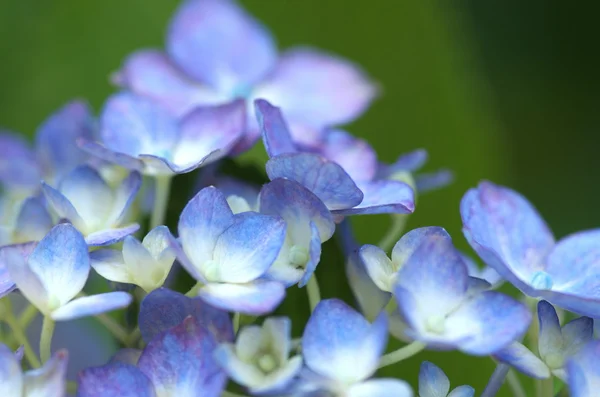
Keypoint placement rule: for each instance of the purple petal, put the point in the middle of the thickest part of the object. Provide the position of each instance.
(151, 74)
(434, 180)
(218, 43)
(208, 129)
(34, 221)
(92, 305)
(115, 379)
(202, 221)
(11, 377)
(355, 155)
(18, 164)
(56, 139)
(100, 151)
(135, 125)
(274, 129)
(318, 89)
(381, 388)
(507, 233)
(111, 236)
(521, 358)
(341, 344)
(164, 309)
(61, 262)
(180, 362)
(327, 180)
(247, 248)
(383, 197)
(583, 372)
(406, 162)
(257, 298)
(6, 283)
(49, 380)
(432, 381)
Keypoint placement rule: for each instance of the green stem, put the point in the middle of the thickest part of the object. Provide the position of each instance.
(71, 387)
(236, 322)
(314, 293)
(46, 338)
(226, 393)
(193, 292)
(401, 354)
(547, 387)
(27, 316)
(161, 199)
(394, 232)
(19, 333)
(515, 384)
(114, 328)
(133, 337)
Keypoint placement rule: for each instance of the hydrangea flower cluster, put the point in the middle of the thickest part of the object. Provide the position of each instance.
(93, 193)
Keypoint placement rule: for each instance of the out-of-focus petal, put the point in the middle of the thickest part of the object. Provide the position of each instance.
(550, 335)
(49, 380)
(383, 197)
(433, 382)
(355, 155)
(117, 379)
(583, 372)
(381, 388)
(62, 206)
(110, 236)
(378, 266)
(126, 356)
(11, 377)
(19, 274)
(275, 132)
(92, 305)
(521, 358)
(433, 180)
(123, 198)
(101, 152)
(256, 298)
(462, 391)
(33, 221)
(18, 164)
(109, 264)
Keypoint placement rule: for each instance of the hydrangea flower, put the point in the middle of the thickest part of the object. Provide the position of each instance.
(139, 134)
(54, 272)
(433, 382)
(145, 264)
(55, 152)
(48, 380)
(308, 224)
(229, 253)
(178, 362)
(555, 345)
(321, 172)
(32, 223)
(259, 359)
(441, 309)
(509, 235)
(92, 206)
(583, 371)
(342, 350)
(216, 52)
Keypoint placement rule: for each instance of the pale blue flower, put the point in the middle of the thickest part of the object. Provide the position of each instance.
(433, 382)
(583, 372)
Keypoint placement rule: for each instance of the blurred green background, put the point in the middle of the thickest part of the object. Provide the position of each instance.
(504, 90)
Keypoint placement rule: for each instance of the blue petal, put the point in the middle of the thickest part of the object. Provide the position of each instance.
(18, 164)
(275, 132)
(434, 180)
(218, 43)
(521, 358)
(247, 248)
(180, 362)
(433, 381)
(124, 196)
(111, 236)
(56, 139)
(202, 221)
(11, 378)
(61, 262)
(49, 380)
(135, 125)
(383, 197)
(33, 221)
(314, 255)
(92, 305)
(409, 242)
(257, 298)
(406, 162)
(18, 274)
(62, 206)
(583, 372)
(123, 380)
(462, 391)
(576, 334)
(369, 296)
(100, 151)
(163, 309)
(318, 89)
(507, 233)
(208, 129)
(246, 193)
(341, 344)
(381, 388)
(550, 335)
(327, 180)
(355, 155)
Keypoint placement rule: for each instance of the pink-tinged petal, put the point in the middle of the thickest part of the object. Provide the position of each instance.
(202, 221)
(92, 305)
(11, 377)
(257, 298)
(355, 155)
(56, 139)
(150, 73)
(327, 180)
(218, 43)
(275, 132)
(180, 362)
(208, 129)
(381, 388)
(104, 238)
(49, 380)
(18, 163)
(507, 233)
(523, 360)
(383, 197)
(163, 309)
(117, 379)
(317, 88)
(100, 151)
(340, 344)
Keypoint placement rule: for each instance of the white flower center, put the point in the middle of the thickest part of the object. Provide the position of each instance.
(436, 324)
(554, 361)
(298, 256)
(266, 363)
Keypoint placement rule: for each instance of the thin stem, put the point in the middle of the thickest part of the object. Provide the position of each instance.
(496, 380)
(236, 322)
(161, 199)
(547, 387)
(27, 316)
(314, 293)
(226, 393)
(46, 338)
(71, 387)
(394, 232)
(401, 354)
(133, 337)
(515, 384)
(114, 328)
(19, 334)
